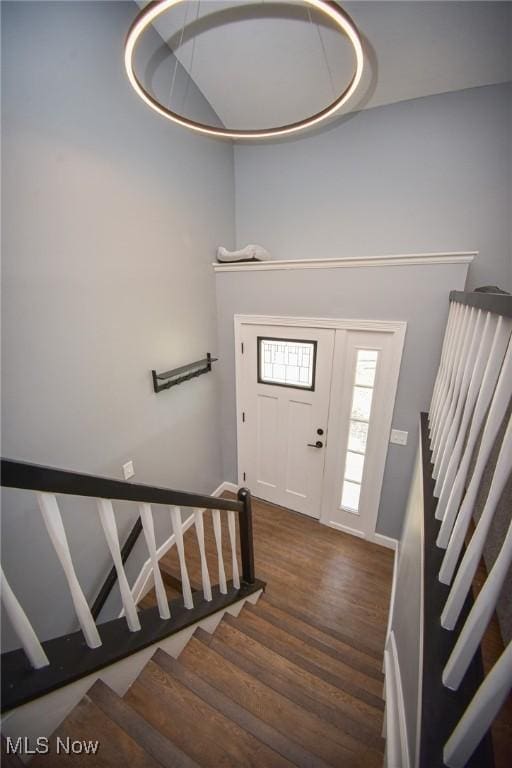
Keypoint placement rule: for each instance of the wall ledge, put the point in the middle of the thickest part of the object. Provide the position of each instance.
(407, 259)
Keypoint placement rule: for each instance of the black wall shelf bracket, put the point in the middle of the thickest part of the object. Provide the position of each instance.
(170, 379)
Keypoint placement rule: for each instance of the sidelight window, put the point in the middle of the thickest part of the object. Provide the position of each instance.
(360, 413)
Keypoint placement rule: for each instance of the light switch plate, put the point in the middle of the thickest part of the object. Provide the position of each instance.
(128, 470)
(398, 437)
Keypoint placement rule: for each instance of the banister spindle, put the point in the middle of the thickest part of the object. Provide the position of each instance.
(481, 712)
(479, 617)
(55, 527)
(108, 522)
(500, 401)
(442, 360)
(177, 528)
(450, 353)
(217, 531)
(232, 540)
(449, 512)
(469, 564)
(454, 419)
(205, 576)
(447, 474)
(22, 626)
(449, 392)
(148, 527)
(454, 395)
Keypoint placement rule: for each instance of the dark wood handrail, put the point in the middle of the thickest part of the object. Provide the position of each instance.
(499, 303)
(34, 477)
(108, 585)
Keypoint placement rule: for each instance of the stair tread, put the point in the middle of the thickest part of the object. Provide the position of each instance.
(9, 759)
(314, 661)
(316, 651)
(172, 576)
(318, 737)
(197, 728)
(149, 600)
(331, 703)
(280, 743)
(320, 638)
(150, 739)
(87, 722)
(364, 644)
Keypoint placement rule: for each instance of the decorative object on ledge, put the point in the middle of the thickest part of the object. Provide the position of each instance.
(343, 23)
(184, 373)
(251, 252)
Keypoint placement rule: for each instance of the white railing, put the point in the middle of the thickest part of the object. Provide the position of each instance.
(467, 419)
(49, 508)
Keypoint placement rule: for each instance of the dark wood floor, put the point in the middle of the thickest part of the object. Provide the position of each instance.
(339, 581)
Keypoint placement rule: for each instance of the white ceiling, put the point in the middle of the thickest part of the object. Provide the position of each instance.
(259, 64)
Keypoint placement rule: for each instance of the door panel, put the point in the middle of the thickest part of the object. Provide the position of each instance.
(286, 378)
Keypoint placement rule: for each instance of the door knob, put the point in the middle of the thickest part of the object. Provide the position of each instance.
(318, 444)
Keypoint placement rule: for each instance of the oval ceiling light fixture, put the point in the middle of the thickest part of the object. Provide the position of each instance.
(330, 9)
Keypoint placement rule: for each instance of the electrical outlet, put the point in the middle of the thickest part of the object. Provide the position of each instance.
(398, 437)
(128, 470)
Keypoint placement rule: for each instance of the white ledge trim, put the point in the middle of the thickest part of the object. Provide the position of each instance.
(404, 259)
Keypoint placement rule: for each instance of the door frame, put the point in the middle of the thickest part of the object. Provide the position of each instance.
(398, 330)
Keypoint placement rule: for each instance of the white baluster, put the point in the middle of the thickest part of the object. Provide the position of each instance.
(450, 352)
(450, 392)
(217, 530)
(469, 564)
(55, 527)
(479, 617)
(500, 401)
(447, 473)
(205, 576)
(177, 528)
(148, 527)
(480, 714)
(108, 522)
(232, 539)
(22, 626)
(442, 361)
(454, 416)
(492, 372)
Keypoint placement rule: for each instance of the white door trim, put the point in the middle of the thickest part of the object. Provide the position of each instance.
(395, 327)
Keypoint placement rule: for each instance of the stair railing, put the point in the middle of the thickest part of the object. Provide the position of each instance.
(468, 421)
(40, 667)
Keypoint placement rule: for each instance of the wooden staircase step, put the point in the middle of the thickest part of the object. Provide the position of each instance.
(87, 723)
(9, 759)
(171, 576)
(350, 714)
(318, 652)
(238, 713)
(320, 664)
(266, 704)
(210, 738)
(149, 600)
(150, 739)
(320, 638)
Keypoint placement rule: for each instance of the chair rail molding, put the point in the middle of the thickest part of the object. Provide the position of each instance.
(392, 260)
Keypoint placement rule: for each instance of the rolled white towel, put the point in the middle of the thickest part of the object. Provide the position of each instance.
(251, 252)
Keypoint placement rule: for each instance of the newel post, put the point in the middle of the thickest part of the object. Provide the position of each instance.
(246, 540)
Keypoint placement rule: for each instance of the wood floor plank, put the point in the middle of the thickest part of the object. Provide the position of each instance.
(249, 690)
(353, 715)
(281, 744)
(212, 740)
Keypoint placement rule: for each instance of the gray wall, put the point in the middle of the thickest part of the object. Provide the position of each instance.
(417, 294)
(432, 174)
(110, 220)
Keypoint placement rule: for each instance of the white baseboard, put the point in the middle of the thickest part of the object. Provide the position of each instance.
(385, 541)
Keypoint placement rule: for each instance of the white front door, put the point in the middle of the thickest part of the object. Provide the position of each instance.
(283, 402)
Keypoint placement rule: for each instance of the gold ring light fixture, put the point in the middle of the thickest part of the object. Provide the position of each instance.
(330, 9)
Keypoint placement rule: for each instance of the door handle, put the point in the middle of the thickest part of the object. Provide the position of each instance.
(318, 444)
